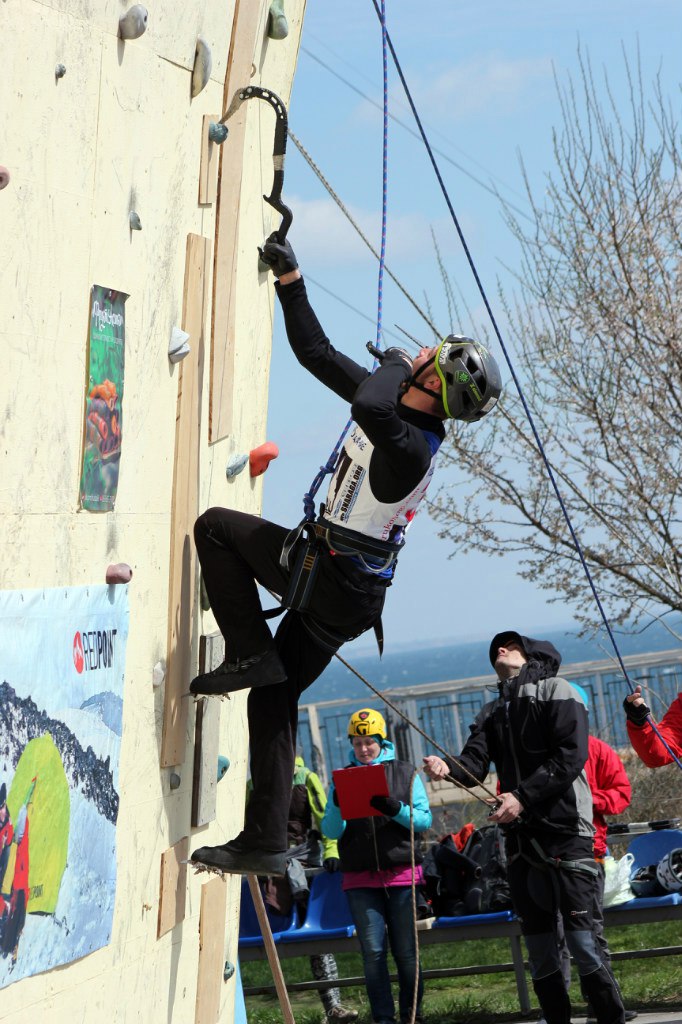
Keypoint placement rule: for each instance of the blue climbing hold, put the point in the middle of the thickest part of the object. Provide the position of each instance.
(223, 765)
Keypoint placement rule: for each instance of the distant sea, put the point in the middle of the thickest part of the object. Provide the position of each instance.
(404, 666)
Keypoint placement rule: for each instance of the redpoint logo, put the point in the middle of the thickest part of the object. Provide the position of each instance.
(78, 657)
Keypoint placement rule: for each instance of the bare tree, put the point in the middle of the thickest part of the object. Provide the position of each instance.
(597, 322)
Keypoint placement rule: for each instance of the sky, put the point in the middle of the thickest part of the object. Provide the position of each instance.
(483, 79)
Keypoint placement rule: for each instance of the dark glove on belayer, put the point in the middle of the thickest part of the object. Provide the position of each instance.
(636, 715)
(278, 256)
(387, 805)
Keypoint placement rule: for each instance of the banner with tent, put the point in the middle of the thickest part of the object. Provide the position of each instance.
(62, 665)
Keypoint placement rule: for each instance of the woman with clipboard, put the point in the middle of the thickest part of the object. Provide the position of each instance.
(368, 811)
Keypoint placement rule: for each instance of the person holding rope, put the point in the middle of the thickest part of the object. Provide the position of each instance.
(644, 739)
(376, 855)
(332, 572)
(536, 734)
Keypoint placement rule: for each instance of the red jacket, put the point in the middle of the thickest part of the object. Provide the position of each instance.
(647, 744)
(610, 788)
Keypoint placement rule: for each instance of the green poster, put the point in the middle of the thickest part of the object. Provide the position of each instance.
(103, 400)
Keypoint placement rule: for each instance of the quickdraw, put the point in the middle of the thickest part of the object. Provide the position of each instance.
(278, 150)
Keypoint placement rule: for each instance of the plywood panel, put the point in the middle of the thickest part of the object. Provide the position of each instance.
(182, 589)
(207, 737)
(173, 889)
(244, 36)
(211, 950)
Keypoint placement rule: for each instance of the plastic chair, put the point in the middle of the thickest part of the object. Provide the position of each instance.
(328, 914)
(249, 927)
(649, 849)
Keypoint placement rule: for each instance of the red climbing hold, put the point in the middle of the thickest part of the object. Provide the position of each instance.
(4, 177)
(261, 457)
(119, 572)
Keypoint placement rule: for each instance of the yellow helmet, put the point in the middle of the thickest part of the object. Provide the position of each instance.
(367, 722)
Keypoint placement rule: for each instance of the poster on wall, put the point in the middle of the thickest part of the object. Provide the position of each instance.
(103, 400)
(62, 663)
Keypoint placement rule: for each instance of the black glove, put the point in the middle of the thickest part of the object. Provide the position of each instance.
(397, 355)
(280, 258)
(331, 864)
(387, 805)
(636, 715)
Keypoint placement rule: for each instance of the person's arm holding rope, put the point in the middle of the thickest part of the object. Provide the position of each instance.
(646, 744)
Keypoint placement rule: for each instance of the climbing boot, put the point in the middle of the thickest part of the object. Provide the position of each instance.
(341, 1013)
(234, 859)
(553, 998)
(264, 669)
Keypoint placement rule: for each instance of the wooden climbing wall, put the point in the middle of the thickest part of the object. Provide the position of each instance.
(182, 587)
(245, 33)
(211, 950)
(207, 737)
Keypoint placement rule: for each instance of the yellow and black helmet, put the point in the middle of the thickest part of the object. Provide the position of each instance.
(367, 722)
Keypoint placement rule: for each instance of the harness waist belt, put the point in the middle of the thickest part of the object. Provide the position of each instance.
(350, 542)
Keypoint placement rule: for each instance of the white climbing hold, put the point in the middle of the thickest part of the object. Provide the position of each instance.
(133, 23)
(235, 465)
(278, 26)
(203, 62)
(178, 346)
(158, 673)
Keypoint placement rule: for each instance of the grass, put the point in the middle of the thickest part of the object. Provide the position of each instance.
(654, 983)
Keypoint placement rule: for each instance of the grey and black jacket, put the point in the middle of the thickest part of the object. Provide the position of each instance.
(535, 733)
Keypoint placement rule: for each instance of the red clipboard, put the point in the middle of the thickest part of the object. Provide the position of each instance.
(355, 786)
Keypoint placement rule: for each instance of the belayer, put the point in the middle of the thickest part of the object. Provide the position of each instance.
(332, 574)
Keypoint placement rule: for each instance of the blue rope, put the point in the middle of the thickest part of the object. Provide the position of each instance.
(330, 464)
(516, 380)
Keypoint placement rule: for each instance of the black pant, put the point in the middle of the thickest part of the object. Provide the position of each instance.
(237, 550)
(538, 892)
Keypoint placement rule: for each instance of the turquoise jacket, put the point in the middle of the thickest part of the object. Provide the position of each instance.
(333, 825)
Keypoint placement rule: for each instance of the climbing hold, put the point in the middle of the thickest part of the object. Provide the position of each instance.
(135, 222)
(158, 673)
(175, 780)
(119, 572)
(228, 970)
(235, 465)
(4, 177)
(60, 71)
(178, 346)
(203, 62)
(261, 457)
(223, 765)
(133, 23)
(217, 132)
(278, 27)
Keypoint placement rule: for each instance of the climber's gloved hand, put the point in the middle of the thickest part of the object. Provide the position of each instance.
(278, 256)
(387, 805)
(636, 708)
(397, 355)
(331, 864)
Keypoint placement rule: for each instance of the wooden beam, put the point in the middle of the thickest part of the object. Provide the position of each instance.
(173, 891)
(208, 164)
(242, 48)
(207, 737)
(212, 916)
(271, 950)
(182, 584)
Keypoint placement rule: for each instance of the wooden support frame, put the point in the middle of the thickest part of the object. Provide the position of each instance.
(247, 19)
(207, 737)
(208, 163)
(173, 887)
(182, 584)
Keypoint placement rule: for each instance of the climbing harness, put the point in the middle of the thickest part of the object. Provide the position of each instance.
(278, 151)
(517, 383)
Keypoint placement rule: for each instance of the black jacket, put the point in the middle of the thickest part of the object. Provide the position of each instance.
(377, 843)
(535, 732)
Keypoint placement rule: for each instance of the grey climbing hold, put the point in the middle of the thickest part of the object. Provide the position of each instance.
(135, 222)
(133, 23)
(178, 346)
(175, 780)
(60, 71)
(278, 26)
(235, 465)
(203, 62)
(217, 132)
(158, 673)
(223, 765)
(228, 970)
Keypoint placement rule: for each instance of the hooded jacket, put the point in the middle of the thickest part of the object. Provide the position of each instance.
(379, 843)
(648, 746)
(536, 734)
(610, 788)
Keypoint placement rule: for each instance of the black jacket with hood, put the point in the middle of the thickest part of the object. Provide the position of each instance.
(535, 732)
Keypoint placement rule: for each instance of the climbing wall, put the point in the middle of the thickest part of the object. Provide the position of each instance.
(106, 157)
